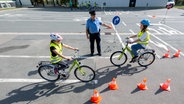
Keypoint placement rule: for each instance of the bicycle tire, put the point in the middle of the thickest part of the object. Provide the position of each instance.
(144, 57)
(114, 57)
(85, 69)
(47, 75)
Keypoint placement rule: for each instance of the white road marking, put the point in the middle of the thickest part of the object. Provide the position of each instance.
(37, 20)
(124, 23)
(164, 29)
(20, 80)
(166, 43)
(47, 33)
(118, 36)
(132, 32)
(173, 29)
(26, 56)
(80, 33)
(157, 32)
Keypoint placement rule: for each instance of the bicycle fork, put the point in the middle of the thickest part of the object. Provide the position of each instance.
(78, 67)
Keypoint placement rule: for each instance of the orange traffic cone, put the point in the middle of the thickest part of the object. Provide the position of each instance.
(142, 85)
(166, 55)
(177, 54)
(96, 98)
(165, 86)
(113, 85)
(154, 16)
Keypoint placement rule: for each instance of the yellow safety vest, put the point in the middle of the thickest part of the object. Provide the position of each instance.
(146, 40)
(59, 48)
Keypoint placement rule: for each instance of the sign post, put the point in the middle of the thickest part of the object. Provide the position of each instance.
(116, 21)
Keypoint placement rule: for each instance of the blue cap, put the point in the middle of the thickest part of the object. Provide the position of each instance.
(145, 22)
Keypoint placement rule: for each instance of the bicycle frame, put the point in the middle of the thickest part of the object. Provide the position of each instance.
(124, 50)
(76, 63)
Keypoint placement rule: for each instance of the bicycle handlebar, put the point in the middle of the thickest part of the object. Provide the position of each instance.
(76, 54)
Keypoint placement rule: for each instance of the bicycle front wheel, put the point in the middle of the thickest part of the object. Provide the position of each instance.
(84, 73)
(47, 73)
(146, 59)
(118, 59)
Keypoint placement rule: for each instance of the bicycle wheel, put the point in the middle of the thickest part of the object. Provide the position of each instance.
(118, 59)
(47, 73)
(84, 73)
(146, 59)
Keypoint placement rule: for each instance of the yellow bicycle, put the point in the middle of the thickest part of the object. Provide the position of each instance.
(52, 72)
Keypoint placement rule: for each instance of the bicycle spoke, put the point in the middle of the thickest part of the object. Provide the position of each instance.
(117, 58)
(84, 73)
(47, 73)
(146, 59)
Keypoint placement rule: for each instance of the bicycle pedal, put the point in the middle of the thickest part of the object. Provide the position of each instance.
(65, 75)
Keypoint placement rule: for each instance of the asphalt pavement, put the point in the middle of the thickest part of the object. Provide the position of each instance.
(24, 41)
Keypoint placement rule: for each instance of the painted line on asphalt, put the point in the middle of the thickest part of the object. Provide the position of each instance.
(21, 80)
(63, 34)
(124, 23)
(166, 43)
(47, 33)
(26, 56)
(132, 32)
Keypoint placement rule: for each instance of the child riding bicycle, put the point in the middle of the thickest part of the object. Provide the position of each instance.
(56, 48)
(142, 39)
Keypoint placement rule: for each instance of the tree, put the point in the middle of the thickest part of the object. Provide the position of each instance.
(179, 2)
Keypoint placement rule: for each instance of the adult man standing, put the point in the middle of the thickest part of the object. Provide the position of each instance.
(93, 31)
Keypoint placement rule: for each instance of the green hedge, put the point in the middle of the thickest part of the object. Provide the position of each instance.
(179, 2)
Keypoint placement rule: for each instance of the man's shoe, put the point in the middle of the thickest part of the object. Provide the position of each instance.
(91, 54)
(99, 54)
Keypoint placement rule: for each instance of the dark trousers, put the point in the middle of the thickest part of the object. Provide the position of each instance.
(62, 65)
(135, 48)
(92, 38)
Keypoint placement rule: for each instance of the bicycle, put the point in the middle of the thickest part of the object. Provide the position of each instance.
(145, 56)
(52, 73)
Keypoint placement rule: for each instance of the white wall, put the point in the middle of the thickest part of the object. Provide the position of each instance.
(151, 3)
(26, 2)
(125, 3)
(109, 3)
(7, 4)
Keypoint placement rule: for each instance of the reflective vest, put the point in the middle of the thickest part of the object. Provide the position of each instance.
(146, 40)
(59, 48)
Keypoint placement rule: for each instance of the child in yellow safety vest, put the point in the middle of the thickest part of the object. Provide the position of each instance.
(142, 39)
(56, 48)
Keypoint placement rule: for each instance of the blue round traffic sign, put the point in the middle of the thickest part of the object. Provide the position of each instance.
(116, 20)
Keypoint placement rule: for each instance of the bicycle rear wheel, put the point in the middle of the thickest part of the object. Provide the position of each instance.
(84, 73)
(146, 59)
(47, 73)
(118, 59)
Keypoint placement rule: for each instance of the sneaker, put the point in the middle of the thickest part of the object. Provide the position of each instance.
(64, 75)
(134, 59)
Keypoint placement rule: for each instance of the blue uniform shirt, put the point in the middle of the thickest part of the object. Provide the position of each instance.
(93, 26)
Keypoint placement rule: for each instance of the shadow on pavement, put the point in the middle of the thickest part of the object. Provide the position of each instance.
(60, 9)
(105, 75)
(35, 71)
(158, 91)
(10, 48)
(135, 90)
(34, 91)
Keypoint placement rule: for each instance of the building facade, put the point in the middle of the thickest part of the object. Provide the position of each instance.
(127, 3)
(108, 3)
